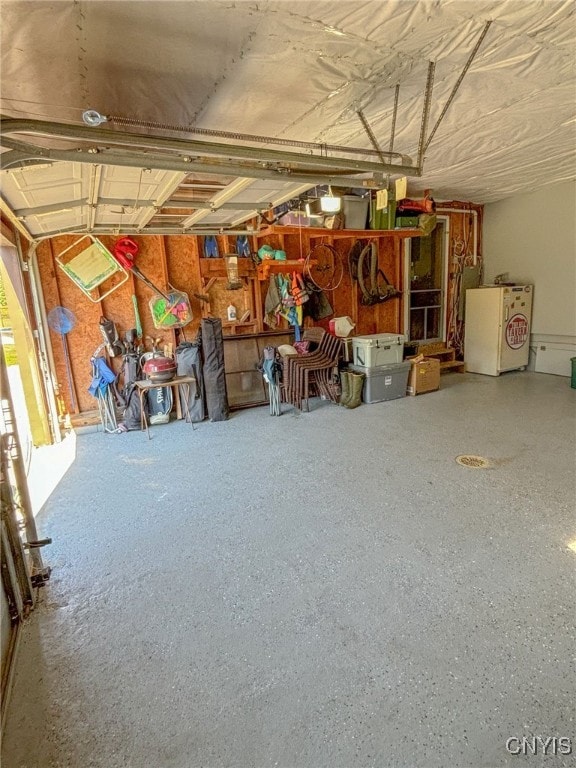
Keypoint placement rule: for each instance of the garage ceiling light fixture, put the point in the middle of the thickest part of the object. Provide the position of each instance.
(330, 203)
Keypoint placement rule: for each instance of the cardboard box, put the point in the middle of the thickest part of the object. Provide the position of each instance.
(424, 375)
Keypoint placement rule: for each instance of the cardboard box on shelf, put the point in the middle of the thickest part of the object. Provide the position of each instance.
(424, 375)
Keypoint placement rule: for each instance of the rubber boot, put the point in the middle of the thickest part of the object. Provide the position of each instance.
(345, 385)
(356, 383)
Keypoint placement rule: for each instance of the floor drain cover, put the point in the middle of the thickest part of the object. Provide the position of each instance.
(475, 462)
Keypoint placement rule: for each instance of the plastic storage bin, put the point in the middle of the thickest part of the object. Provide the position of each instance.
(355, 211)
(385, 382)
(378, 349)
(407, 221)
(296, 219)
(385, 218)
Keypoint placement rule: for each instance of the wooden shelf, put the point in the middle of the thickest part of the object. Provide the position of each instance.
(260, 334)
(217, 267)
(446, 356)
(338, 234)
(452, 366)
(233, 330)
(280, 266)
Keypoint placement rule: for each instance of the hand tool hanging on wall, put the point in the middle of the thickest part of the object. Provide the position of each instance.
(137, 316)
(62, 321)
(125, 250)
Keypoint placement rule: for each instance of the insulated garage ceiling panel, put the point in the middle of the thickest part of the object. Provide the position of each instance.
(48, 197)
(501, 118)
(263, 193)
(77, 197)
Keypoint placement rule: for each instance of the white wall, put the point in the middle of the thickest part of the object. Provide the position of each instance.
(533, 237)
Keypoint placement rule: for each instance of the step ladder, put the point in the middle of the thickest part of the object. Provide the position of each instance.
(446, 355)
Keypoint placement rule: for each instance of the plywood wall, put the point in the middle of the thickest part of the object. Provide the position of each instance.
(345, 299)
(176, 261)
(165, 261)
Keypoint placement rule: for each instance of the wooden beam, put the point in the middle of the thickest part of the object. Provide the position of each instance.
(7, 233)
(67, 357)
(166, 278)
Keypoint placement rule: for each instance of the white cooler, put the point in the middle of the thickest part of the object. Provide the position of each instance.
(378, 349)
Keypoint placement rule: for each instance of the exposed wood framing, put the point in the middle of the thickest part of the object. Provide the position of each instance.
(176, 260)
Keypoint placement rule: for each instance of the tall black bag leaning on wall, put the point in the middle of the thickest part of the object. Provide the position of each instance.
(131, 373)
(214, 373)
(189, 363)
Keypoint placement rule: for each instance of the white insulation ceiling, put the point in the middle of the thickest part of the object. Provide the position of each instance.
(302, 70)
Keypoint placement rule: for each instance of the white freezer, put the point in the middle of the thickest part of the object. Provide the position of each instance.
(497, 328)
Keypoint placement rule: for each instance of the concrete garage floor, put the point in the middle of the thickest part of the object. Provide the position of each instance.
(325, 589)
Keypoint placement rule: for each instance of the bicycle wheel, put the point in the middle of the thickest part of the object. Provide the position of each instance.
(324, 267)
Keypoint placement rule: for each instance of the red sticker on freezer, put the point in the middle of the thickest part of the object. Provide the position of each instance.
(517, 331)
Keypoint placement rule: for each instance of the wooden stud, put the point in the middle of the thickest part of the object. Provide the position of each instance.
(165, 278)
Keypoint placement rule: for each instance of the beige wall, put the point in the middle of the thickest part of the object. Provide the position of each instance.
(533, 237)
